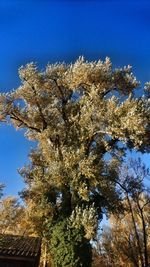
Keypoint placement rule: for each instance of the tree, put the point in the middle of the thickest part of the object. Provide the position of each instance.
(14, 217)
(11, 215)
(126, 242)
(97, 259)
(78, 114)
(138, 204)
(120, 244)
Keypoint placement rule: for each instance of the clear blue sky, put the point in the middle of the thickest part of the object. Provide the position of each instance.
(49, 31)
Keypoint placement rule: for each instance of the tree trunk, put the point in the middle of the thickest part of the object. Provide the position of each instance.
(66, 201)
(144, 235)
(136, 232)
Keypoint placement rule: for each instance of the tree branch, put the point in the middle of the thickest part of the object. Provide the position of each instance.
(21, 120)
(38, 105)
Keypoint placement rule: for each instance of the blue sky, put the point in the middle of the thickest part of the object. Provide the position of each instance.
(49, 31)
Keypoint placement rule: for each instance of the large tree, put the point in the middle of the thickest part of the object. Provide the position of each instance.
(83, 117)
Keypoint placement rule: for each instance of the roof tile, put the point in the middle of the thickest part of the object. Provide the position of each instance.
(22, 246)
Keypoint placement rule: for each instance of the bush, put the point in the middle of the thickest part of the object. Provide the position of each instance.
(69, 247)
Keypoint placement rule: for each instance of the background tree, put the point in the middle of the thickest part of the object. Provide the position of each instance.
(98, 259)
(138, 201)
(11, 215)
(126, 242)
(78, 114)
(14, 217)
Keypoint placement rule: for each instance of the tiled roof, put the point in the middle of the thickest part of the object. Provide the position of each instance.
(19, 246)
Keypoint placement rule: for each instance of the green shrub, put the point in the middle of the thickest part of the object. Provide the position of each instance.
(68, 246)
